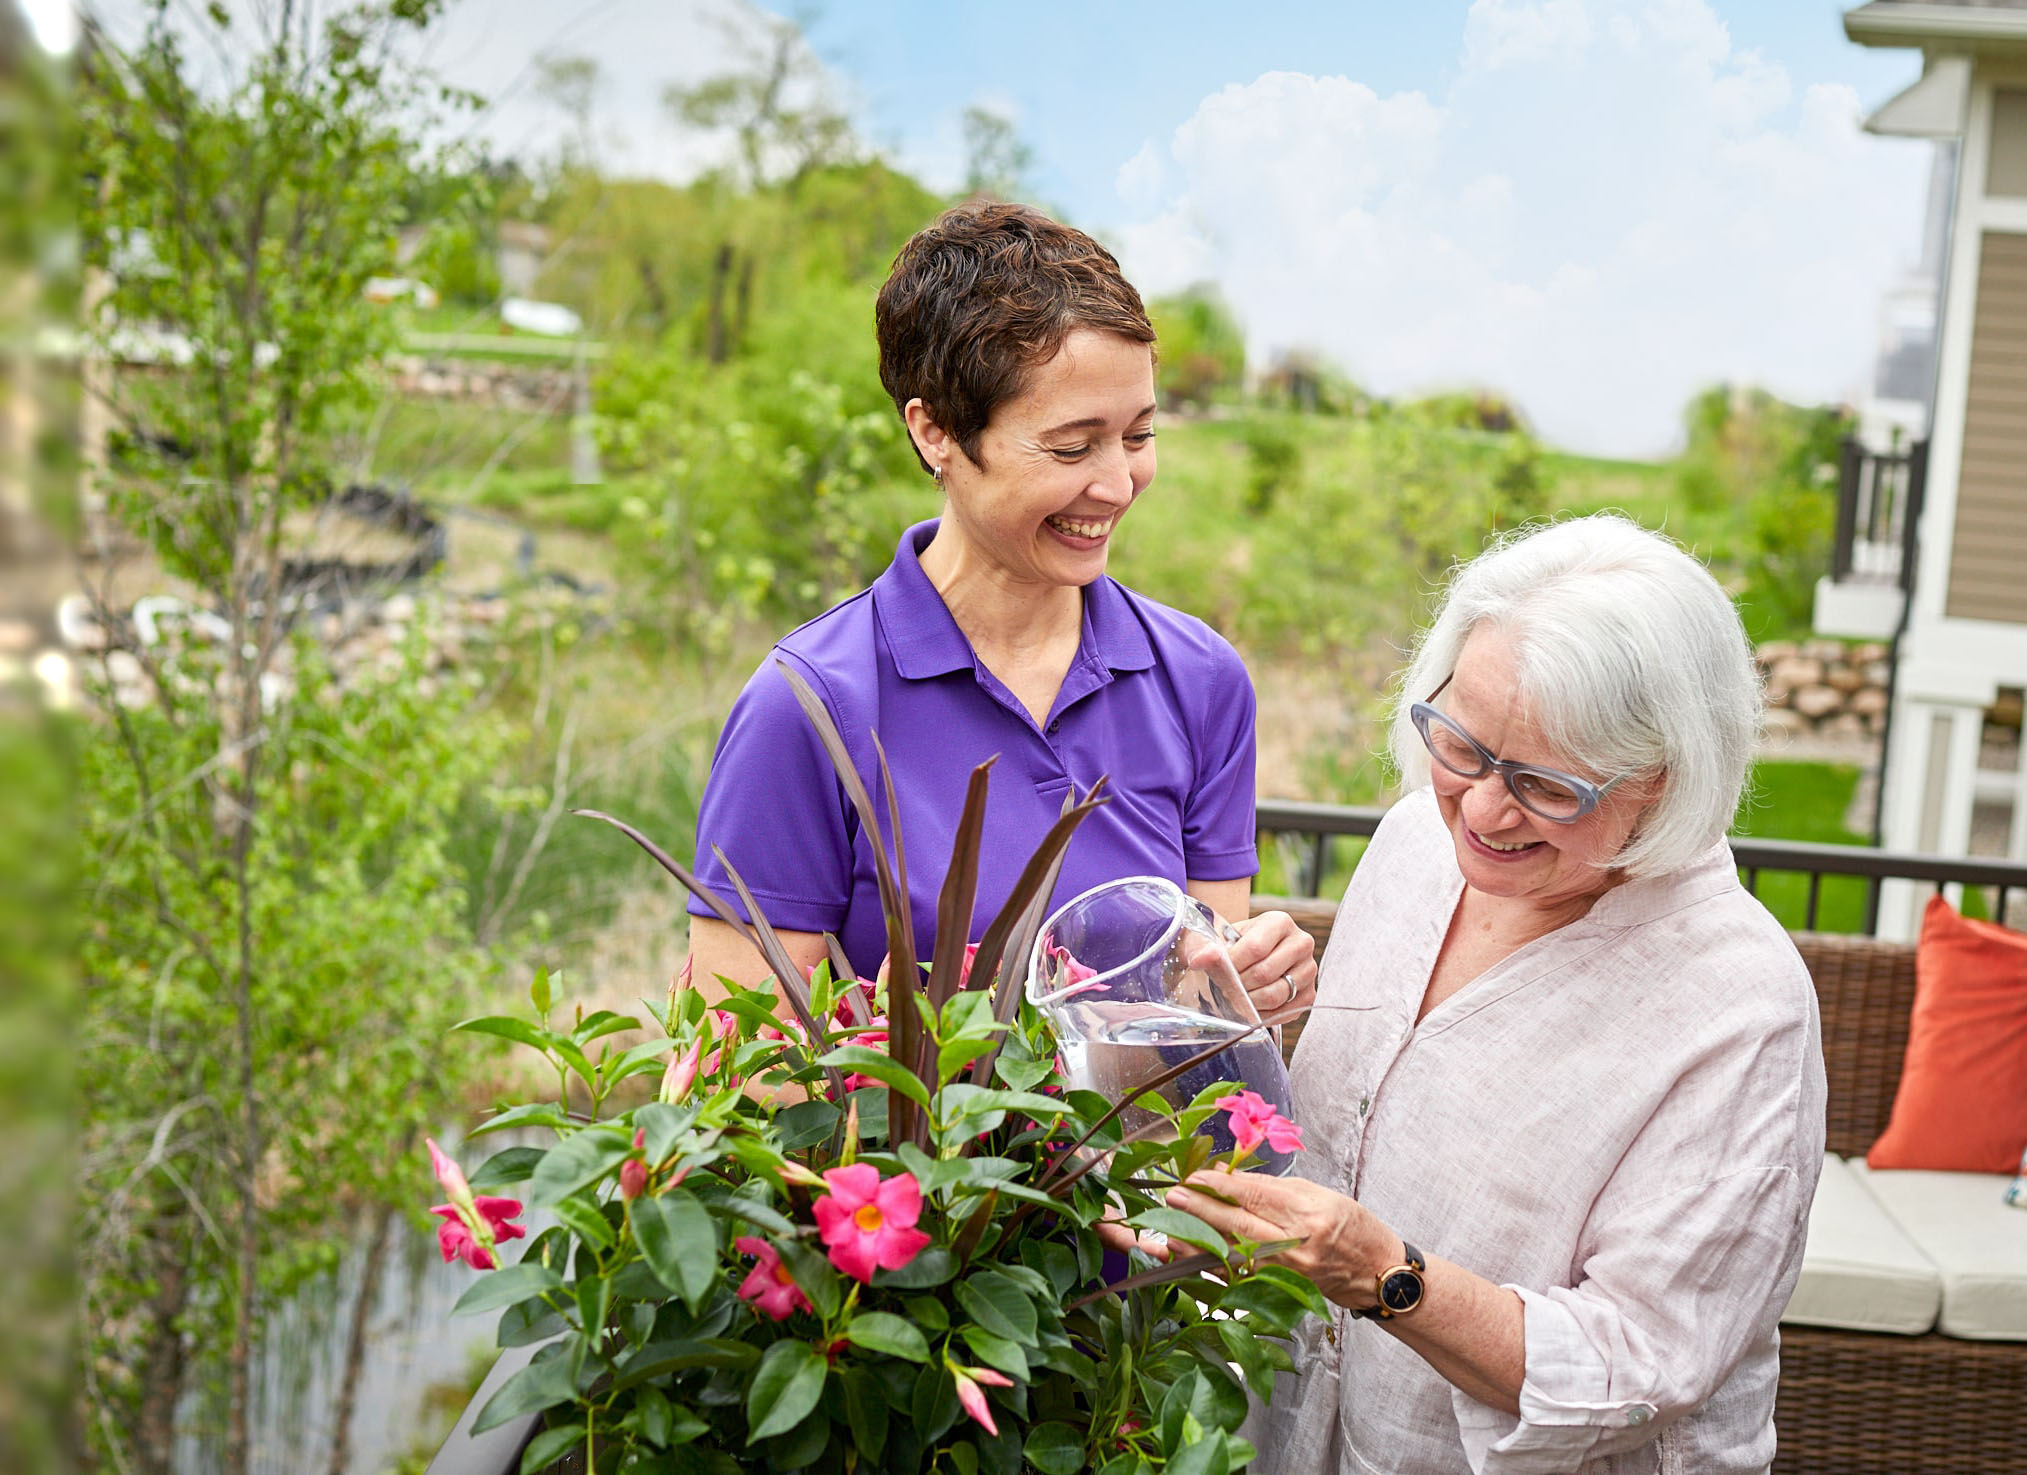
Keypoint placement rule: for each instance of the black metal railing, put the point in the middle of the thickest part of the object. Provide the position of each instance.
(1879, 499)
(1310, 829)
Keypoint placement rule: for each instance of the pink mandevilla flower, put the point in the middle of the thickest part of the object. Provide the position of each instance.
(473, 1224)
(973, 1397)
(633, 1173)
(868, 1223)
(682, 1072)
(768, 1286)
(1070, 975)
(1254, 1120)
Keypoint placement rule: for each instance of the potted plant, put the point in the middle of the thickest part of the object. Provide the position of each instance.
(854, 1229)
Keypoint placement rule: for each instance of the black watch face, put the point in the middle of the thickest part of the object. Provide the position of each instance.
(1401, 1291)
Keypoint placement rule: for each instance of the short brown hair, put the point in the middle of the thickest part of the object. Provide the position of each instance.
(979, 299)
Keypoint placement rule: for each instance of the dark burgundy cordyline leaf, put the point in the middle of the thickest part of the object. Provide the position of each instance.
(792, 987)
(904, 1026)
(960, 887)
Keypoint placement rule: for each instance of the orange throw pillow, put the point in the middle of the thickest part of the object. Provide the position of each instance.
(1962, 1102)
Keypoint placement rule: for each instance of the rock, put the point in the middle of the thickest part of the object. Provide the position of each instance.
(1794, 672)
(397, 609)
(123, 668)
(1823, 650)
(1878, 673)
(1816, 702)
(1777, 650)
(1865, 653)
(1844, 679)
(17, 637)
(1875, 724)
(1843, 725)
(1779, 727)
(1869, 702)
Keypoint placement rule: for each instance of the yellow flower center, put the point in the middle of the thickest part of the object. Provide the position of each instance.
(868, 1217)
(781, 1275)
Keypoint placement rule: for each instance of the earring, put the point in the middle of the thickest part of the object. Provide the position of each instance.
(936, 471)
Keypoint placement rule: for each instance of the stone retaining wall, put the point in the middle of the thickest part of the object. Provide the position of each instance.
(1825, 688)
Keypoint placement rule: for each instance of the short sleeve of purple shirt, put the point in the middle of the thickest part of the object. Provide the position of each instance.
(1154, 701)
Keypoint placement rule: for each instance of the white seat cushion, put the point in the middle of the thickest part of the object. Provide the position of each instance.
(1962, 1222)
(1860, 1271)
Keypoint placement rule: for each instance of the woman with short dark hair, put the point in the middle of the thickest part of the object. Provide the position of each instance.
(1021, 362)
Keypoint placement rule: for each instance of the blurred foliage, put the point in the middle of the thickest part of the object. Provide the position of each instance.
(996, 161)
(1203, 349)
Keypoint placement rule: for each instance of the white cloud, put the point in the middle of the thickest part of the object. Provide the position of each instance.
(1609, 208)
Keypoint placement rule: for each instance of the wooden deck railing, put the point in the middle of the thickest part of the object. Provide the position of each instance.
(1313, 827)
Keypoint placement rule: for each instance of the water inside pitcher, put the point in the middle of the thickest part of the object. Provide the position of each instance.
(1134, 977)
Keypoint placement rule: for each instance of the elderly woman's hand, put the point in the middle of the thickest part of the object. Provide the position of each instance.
(1276, 960)
(1343, 1245)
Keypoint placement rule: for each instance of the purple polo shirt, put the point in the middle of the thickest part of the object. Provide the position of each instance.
(1154, 699)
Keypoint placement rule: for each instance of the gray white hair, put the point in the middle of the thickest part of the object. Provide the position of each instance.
(1631, 658)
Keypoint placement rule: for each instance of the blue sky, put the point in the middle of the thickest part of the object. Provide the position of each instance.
(1089, 82)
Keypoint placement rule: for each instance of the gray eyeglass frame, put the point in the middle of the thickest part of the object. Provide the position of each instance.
(1588, 794)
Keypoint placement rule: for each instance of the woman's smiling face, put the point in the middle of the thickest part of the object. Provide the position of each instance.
(1062, 461)
(1502, 849)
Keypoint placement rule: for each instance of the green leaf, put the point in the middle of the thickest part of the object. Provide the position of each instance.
(658, 1359)
(927, 1312)
(882, 1331)
(594, 1300)
(1054, 1449)
(881, 1067)
(651, 1416)
(537, 1386)
(505, 1168)
(751, 1211)
(785, 1389)
(805, 1124)
(549, 1446)
(528, 1322)
(1186, 1227)
(679, 1242)
(998, 1304)
(660, 1125)
(602, 1022)
(539, 994)
(529, 1114)
(506, 1027)
(581, 1158)
(963, 1458)
(1210, 1455)
(996, 1351)
(866, 1412)
(506, 1287)
(1244, 1348)
(954, 1055)
(980, 1099)
(934, 1405)
(582, 1218)
(931, 1268)
(1023, 1073)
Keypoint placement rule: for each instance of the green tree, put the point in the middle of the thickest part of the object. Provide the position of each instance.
(996, 161)
(273, 933)
(1203, 350)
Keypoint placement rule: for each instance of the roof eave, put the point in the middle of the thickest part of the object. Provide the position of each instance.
(1901, 23)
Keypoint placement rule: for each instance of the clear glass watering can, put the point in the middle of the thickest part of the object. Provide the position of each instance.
(1133, 976)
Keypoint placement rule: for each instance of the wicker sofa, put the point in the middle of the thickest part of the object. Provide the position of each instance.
(1865, 1403)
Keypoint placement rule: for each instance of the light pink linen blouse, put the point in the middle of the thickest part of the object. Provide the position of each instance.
(1622, 1121)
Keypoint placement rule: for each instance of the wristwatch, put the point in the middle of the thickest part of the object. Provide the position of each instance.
(1400, 1286)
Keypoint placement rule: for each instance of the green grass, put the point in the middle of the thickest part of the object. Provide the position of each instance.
(1805, 801)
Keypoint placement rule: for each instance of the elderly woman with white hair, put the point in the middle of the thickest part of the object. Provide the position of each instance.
(1562, 1084)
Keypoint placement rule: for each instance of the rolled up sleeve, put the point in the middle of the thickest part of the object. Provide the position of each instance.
(1675, 1292)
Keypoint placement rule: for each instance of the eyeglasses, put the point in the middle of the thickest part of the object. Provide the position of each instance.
(1549, 793)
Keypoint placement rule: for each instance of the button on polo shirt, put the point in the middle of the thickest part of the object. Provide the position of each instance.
(1154, 701)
